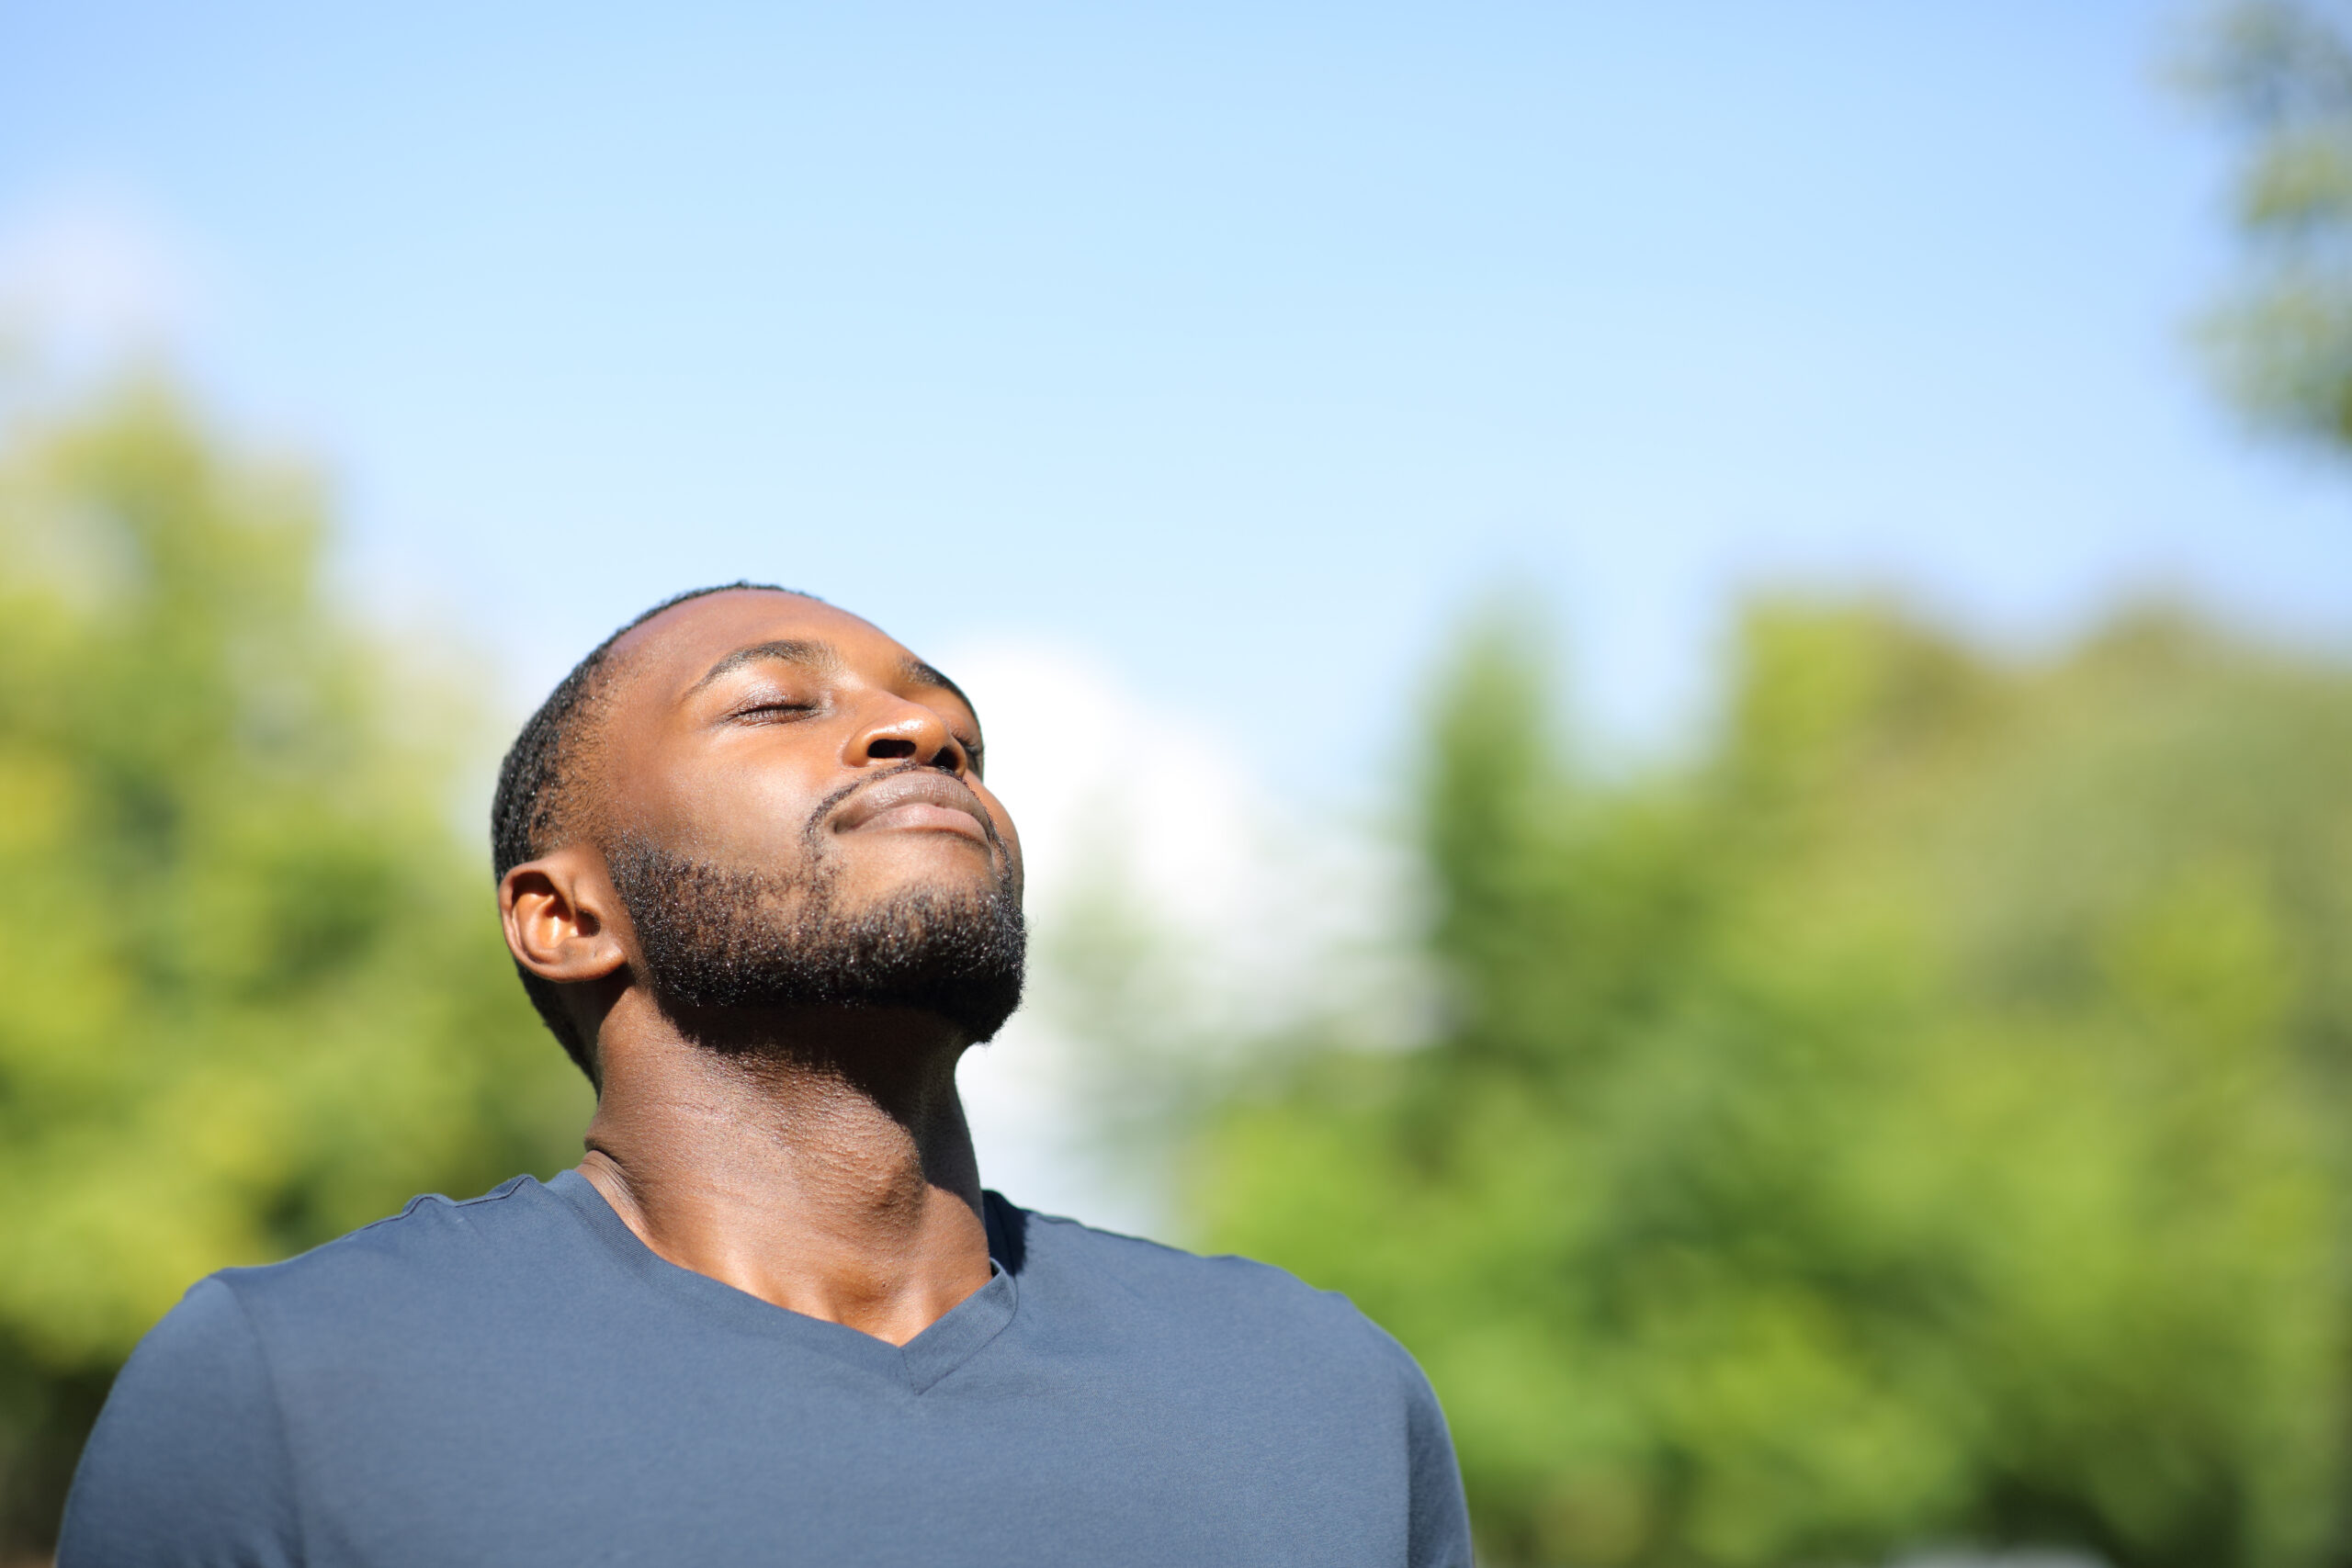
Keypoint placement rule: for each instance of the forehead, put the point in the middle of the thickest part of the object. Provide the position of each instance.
(669, 653)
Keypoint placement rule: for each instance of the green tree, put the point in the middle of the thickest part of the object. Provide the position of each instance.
(1913, 1123)
(254, 993)
(2280, 77)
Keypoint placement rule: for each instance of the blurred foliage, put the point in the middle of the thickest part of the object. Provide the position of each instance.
(255, 992)
(2279, 76)
(1919, 1120)
(1916, 1120)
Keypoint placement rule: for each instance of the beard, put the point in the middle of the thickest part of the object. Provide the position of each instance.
(724, 941)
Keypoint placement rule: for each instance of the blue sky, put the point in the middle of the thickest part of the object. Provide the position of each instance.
(1236, 349)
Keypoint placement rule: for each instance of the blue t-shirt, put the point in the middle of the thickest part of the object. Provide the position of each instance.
(517, 1379)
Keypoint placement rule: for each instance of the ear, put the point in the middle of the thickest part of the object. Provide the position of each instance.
(563, 921)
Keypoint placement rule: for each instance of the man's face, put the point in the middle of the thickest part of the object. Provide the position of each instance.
(792, 808)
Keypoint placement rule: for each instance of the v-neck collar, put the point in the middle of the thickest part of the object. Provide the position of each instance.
(915, 1366)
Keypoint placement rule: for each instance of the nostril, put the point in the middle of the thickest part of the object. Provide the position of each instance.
(891, 745)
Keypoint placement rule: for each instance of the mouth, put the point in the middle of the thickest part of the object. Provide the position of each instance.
(924, 801)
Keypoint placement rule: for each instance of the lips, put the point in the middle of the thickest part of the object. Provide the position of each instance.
(916, 802)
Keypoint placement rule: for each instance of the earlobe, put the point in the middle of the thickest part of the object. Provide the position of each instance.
(559, 914)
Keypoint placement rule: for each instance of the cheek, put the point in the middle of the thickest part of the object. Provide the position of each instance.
(737, 815)
(1008, 832)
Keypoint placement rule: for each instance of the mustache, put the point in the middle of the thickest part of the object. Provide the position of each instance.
(814, 833)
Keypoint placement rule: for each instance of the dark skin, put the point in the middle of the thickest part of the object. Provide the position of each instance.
(821, 1163)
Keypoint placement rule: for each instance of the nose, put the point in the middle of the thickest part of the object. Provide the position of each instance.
(908, 731)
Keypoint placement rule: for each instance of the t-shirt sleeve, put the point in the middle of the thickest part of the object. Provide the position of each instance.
(189, 1463)
(1439, 1532)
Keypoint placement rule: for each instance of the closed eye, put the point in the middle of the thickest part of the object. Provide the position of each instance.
(772, 713)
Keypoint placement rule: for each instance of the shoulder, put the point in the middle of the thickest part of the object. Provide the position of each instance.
(189, 1460)
(193, 1459)
(207, 1342)
(1223, 1297)
(435, 1254)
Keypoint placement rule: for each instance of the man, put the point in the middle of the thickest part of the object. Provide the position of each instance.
(754, 881)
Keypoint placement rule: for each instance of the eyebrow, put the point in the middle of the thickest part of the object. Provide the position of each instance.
(790, 650)
(822, 656)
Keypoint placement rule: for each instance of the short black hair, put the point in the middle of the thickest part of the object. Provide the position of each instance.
(525, 812)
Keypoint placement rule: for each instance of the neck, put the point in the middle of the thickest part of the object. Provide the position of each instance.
(818, 1160)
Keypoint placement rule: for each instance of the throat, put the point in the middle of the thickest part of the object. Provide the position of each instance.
(837, 1183)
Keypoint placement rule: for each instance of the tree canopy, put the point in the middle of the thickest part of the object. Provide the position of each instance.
(1916, 1119)
(255, 995)
(2279, 75)
(1916, 1122)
